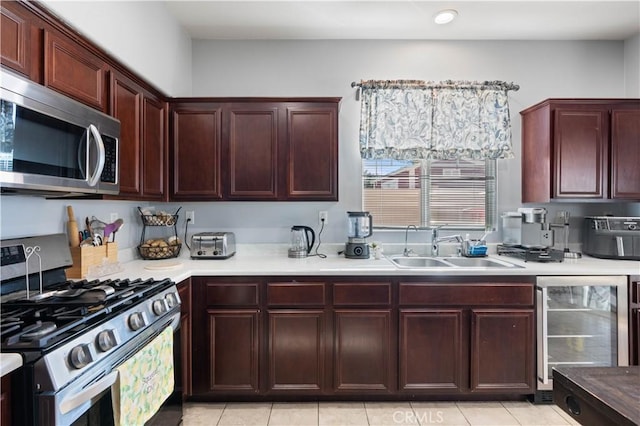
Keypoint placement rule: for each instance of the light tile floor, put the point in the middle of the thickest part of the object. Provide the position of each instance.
(374, 414)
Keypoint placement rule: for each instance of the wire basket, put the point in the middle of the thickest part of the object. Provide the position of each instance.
(149, 252)
(159, 219)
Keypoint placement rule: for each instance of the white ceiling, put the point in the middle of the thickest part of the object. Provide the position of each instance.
(407, 19)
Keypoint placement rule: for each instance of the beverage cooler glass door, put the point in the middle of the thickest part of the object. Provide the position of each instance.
(582, 321)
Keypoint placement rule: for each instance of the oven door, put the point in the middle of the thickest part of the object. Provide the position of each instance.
(88, 400)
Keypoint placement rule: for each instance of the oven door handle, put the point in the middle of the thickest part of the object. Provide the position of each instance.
(86, 394)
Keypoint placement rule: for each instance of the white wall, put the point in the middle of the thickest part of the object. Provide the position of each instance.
(147, 40)
(141, 34)
(632, 66)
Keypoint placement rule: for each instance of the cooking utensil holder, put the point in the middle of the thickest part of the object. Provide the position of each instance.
(87, 256)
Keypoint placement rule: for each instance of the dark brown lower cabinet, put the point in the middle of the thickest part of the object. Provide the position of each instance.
(233, 339)
(432, 350)
(502, 351)
(297, 361)
(362, 360)
(466, 338)
(356, 337)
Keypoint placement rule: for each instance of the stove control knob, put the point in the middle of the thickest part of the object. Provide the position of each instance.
(172, 300)
(80, 356)
(159, 307)
(106, 340)
(632, 227)
(136, 321)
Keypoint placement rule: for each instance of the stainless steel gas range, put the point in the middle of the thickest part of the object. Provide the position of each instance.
(74, 335)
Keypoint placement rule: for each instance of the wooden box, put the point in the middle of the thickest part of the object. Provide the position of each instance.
(85, 257)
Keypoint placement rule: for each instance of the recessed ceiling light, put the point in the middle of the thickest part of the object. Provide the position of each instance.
(445, 16)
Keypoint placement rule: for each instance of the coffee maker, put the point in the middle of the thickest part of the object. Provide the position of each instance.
(360, 227)
(535, 231)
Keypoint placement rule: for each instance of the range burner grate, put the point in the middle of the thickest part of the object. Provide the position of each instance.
(531, 254)
(22, 320)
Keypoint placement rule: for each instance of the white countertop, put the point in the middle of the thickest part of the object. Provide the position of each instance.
(270, 260)
(9, 362)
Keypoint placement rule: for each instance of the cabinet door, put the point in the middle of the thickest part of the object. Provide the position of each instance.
(296, 353)
(253, 163)
(233, 351)
(15, 39)
(154, 148)
(625, 153)
(184, 291)
(363, 353)
(580, 152)
(125, 106)
(433, 351)
(502, 351)
(312, 147)
(197, 139)
(74, 71)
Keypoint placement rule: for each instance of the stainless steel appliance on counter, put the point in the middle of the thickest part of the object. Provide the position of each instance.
(581, 321)
(213, 245)
(611, 237)
(74, 336)
(53, 145)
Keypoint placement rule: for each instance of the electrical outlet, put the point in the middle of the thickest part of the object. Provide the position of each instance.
(113, 217)
(323, 217)
(191, 217)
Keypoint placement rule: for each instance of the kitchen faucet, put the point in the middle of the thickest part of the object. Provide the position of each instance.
(436, 240)
(407, 251)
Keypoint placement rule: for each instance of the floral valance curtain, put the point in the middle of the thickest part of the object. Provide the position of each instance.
(410, 119)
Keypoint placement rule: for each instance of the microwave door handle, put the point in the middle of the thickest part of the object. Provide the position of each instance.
(93, 180)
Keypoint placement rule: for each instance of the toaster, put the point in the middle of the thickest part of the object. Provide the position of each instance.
(611, 237)
(213, 245)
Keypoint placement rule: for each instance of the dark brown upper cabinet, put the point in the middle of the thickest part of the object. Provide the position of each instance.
(143, 147)
(312, 151)
(581, 150)
(196, 144)
(17, 39)
(254, 149)
(74, 71)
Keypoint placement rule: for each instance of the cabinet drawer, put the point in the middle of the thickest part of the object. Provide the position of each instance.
(480, 294)
(354, 294)
(295, 293)
(232, 294)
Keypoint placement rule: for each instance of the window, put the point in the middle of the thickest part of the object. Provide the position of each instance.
(430, 193)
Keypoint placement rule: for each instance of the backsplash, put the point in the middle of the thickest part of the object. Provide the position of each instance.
(251, 222)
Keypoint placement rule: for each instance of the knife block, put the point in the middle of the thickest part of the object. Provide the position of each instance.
(85, 257)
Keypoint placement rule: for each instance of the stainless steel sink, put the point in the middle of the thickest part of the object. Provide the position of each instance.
(478, 262)
(421, 262)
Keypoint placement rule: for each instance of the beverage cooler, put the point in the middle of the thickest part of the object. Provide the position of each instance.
(581, 321)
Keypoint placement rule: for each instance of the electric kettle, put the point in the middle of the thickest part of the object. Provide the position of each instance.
(301, 242)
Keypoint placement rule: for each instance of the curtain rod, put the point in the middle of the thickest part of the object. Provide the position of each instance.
(421, 84)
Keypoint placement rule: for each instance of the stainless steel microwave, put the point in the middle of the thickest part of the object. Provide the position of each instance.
(53, 145)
